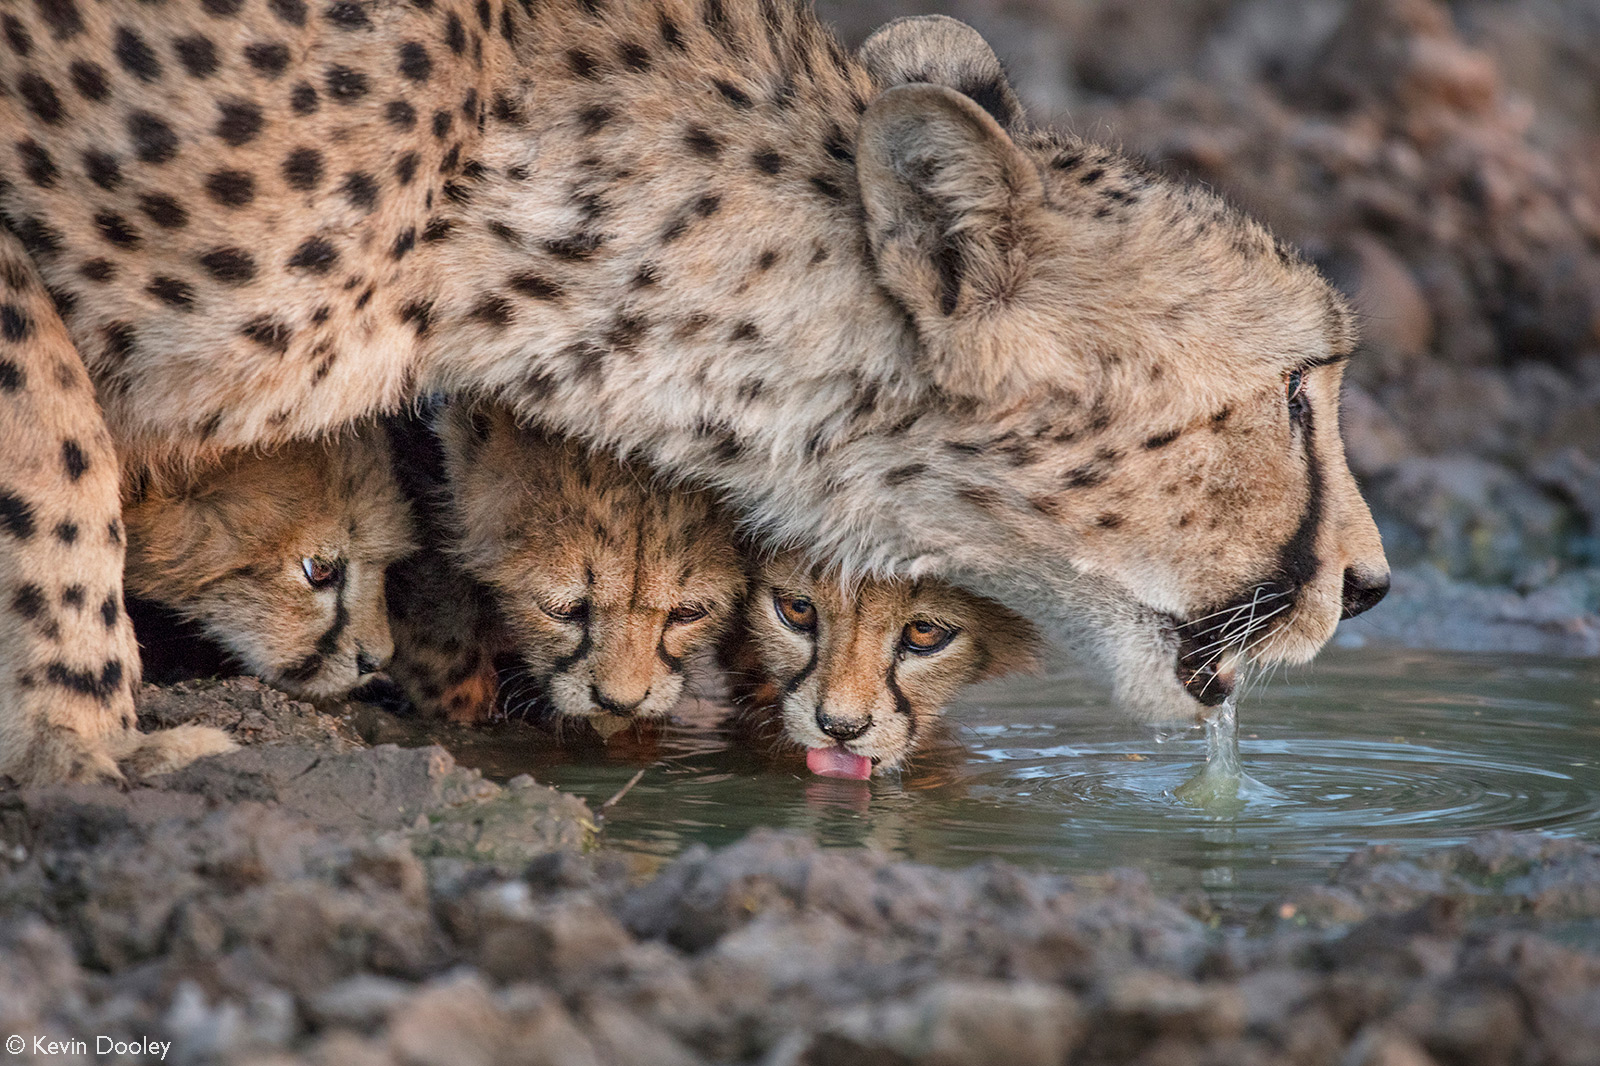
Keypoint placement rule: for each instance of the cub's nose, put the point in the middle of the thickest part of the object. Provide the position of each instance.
(367, 663)
(1362, 592)
(841, 728)
(620, 708)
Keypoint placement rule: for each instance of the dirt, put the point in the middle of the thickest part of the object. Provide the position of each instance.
(311, 899)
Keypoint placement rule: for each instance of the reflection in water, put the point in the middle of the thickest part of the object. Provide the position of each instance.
(1364, 748)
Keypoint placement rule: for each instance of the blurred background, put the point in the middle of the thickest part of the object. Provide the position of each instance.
(1441, 162)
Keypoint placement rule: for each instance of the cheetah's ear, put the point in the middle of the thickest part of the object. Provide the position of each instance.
(941, 50)
(953, 217)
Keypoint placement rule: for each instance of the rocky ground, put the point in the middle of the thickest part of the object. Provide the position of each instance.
(1441, 161)
(311, 899)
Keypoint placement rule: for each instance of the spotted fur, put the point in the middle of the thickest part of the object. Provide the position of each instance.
(868, 667)
(883, 324)
(279, 557)
(603, 582)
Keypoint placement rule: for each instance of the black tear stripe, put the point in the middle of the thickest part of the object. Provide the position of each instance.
(327, 644)
(901, 704)
(566, 662)
(1229, 624)
(674, 663)
(791, 686)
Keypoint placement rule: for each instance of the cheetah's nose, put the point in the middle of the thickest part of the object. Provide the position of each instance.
(840, 728)
(1362, 592)
(616, 707)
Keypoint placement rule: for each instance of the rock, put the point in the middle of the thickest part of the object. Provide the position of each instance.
(957, 1023)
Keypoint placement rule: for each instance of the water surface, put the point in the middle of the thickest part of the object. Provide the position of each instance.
(1362, 747)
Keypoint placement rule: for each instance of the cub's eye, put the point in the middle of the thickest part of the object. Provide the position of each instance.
(796, 612)
(576, 611)
(322, 573)
(689, 612)
(1294, 390)
(925, 638)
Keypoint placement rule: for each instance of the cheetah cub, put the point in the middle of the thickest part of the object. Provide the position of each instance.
(279, 556)
(858, 673)
(602, 581)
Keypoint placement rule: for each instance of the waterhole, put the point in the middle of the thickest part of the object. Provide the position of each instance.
(1363, 747)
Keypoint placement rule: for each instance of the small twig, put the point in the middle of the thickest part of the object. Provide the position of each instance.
(600, 812)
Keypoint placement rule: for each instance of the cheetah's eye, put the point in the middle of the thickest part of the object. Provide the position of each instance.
(924, 638)
(1294, 390)
(689, 612)
(796, 612)
(322, 573)
(576, 611)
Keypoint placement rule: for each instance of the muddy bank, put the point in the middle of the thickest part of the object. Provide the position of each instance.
(309, 899)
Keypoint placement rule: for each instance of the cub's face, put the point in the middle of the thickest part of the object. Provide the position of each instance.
(866, 669)
(608, 581)
(280, 557)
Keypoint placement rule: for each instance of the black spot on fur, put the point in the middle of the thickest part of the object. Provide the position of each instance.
(62, 17)
(1109, 521)
(30, 602)
(634, 56)
(84, 682)
(269, 58)
(303, 98)
(41, 169)
(576, 248)
(991, 95)
(535, 286)
(66, 532)
(734, 95)
(745, 331)
(455, 35)
(119, 340)
(438, 229)
(153, 140)
(174, 291)
(419, 313)
(901, 474)
(271, 333)
(646, 276)
(303, 169)
(403, 243)
(110, 610)
(115, 229)
(441, 124)
(360, 190)
(400, 114)
(701, 142)
(1084, 477)
(135, 55)
(348, 15)
(73, 459)
(16, 515)
(101, 167)
(1161, 440)
(346, 86)
(18, 37)
(240, 121)
(231, 188)
(197, 55)
(767, 161)
(11, 376)
(493, 310)
(90, 80)
(827, 187)
(415, 63)
(593, 119)
(316, 254)
(406, 168)
(231, 266)
(292, 12)
(41, 98)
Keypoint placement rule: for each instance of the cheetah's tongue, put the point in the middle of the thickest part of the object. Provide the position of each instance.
(837, 762)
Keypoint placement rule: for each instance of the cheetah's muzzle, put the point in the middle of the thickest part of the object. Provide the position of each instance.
(1211, 645)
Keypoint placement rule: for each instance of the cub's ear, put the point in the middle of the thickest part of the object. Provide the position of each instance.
(954, 213)
(941, 50)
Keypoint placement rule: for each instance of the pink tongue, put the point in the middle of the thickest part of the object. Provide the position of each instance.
(836, 762)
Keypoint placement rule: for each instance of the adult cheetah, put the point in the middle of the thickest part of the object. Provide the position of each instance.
(861, 297)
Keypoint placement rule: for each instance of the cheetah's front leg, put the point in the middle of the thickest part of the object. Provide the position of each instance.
(69, 664)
